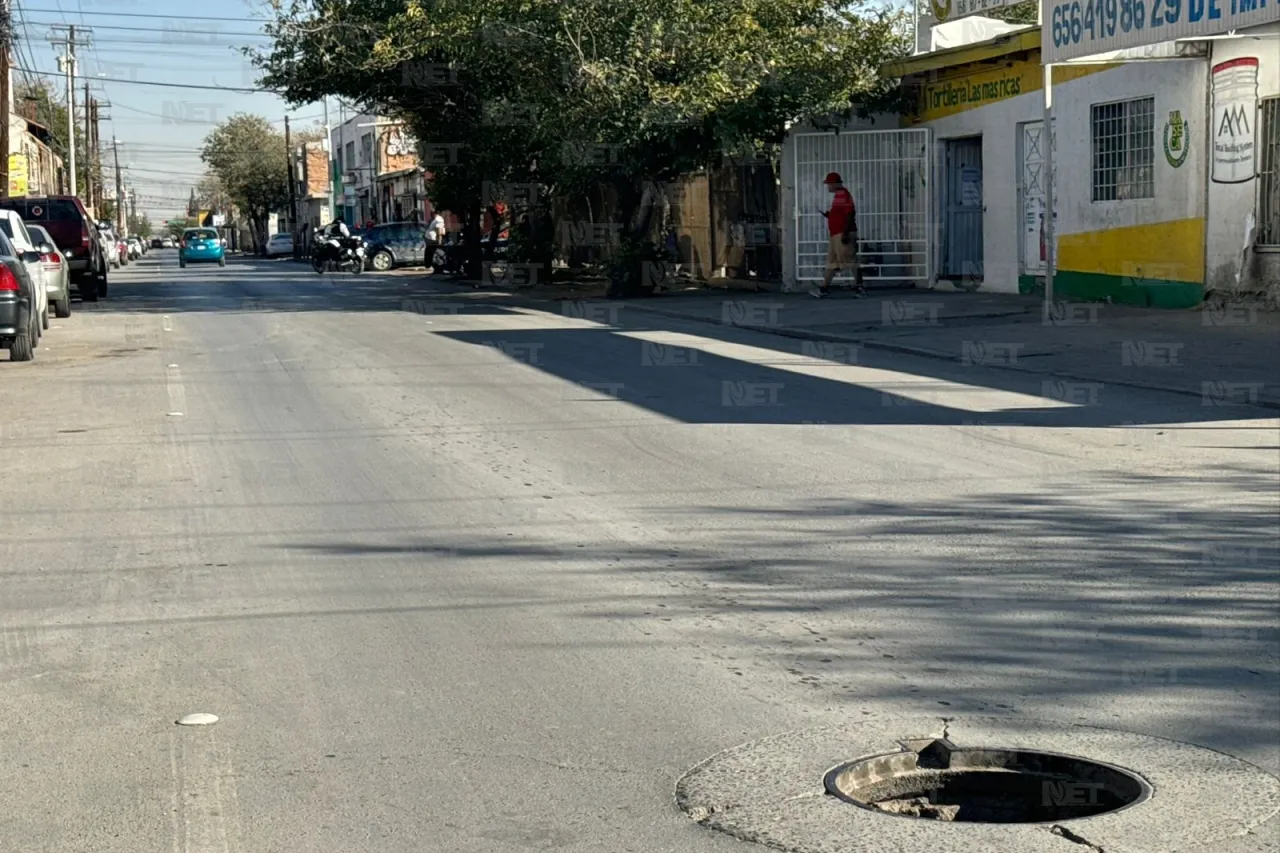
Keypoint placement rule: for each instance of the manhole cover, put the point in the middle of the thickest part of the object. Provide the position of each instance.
(938, 780)
(981, 785)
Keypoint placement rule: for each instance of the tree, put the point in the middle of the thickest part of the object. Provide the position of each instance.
(571, 95)
(247, 157)
(1020, 13)
(141, 226)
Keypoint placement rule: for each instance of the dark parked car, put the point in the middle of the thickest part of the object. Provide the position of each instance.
(19, 319)
(395, 243)
(68, 223)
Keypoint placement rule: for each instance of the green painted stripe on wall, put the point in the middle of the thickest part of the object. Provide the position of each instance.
(1124, 290)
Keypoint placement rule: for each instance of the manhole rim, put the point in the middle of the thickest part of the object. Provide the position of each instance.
(755, 790)
(1148, 790)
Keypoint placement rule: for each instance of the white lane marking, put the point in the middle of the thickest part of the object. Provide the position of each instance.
(166, 323)
(177, 393)
(206, 808)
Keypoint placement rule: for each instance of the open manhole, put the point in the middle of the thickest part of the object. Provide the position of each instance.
(937, 780)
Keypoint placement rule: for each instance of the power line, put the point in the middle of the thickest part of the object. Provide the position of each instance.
(148, 16)
(244, 90)
(172, 30)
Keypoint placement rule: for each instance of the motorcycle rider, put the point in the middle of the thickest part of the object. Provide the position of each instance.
(334, 241)
(337, 228)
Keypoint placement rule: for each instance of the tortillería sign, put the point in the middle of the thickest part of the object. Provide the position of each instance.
(956, 94)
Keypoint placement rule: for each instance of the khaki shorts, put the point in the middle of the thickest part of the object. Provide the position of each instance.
(842, 255)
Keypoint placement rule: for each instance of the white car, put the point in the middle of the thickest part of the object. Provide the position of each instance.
(280, 244)
(57, 272)
(110, 244)
(32, 258)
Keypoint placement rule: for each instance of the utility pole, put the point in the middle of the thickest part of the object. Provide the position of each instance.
(293, 183)
(95, 189)
(6, 30)
(133, 206)
(67, 65)
(328, 156)
(115, 147)
(88, 160)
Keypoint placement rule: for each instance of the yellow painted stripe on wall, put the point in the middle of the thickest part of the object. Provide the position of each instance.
(1167, 251)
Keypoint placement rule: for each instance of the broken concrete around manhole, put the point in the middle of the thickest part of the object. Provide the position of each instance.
(772, 791)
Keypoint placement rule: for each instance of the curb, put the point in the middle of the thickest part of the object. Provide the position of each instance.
(1267, 401)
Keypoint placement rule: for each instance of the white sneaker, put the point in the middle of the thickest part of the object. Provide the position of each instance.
(816, 293)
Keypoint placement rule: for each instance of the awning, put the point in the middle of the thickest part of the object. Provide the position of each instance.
(1001, 46)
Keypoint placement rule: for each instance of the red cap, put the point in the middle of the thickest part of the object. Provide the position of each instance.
(832, 178)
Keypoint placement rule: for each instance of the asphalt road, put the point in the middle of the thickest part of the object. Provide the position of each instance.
(459, 575)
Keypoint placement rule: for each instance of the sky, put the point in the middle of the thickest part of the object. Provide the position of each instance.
(160, 129)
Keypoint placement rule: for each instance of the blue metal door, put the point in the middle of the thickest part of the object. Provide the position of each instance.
(962, 251)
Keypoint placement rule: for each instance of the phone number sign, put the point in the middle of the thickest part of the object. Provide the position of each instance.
(1077, 28)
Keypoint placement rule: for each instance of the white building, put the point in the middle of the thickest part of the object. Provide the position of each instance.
(352, 146)
(1167, 163)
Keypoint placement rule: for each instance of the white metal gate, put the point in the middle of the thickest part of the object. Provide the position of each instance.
(888, 173)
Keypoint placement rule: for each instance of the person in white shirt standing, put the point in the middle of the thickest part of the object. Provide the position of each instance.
(434, 237)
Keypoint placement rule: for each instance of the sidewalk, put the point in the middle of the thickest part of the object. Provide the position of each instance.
(1224, 355)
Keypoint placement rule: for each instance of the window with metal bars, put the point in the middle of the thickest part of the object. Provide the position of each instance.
(1124, 150)
(1269, 174)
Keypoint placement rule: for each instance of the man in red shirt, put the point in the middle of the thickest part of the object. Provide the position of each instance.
(842, 237)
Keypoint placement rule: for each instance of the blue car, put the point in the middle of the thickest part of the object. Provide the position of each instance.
(201, 245)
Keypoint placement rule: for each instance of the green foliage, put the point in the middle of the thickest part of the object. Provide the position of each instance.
(574, 94)
(247, 157)
(141, 226)
(1022, 13)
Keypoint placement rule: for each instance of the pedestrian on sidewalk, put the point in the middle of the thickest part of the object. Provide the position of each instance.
(433, 238)
(842, 237)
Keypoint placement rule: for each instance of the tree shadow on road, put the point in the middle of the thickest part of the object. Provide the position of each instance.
(1124, 597)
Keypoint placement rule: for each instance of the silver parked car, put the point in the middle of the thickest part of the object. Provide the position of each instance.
(57, 274)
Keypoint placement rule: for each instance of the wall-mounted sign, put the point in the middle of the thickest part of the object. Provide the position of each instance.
(1235, 109)
(969, 91)
(398, 144)
(18, 174)
(952, 10)
(1088, 27)
(1177, 142)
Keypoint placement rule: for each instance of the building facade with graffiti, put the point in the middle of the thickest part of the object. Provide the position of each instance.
(1167, 160)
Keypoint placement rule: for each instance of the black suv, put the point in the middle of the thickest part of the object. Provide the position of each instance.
(394, 243)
